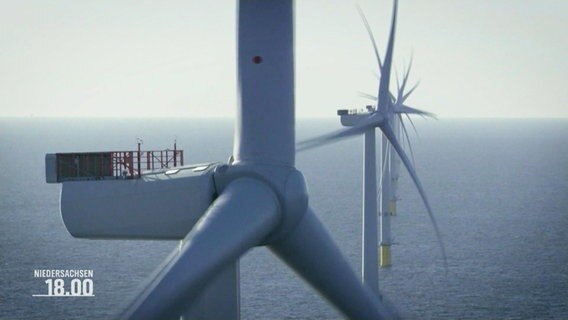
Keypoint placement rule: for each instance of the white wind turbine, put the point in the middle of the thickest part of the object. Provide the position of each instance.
(388, 196)
(390, 166)
(389, 174)
(384, 117)
(262, 198)
(222, 211)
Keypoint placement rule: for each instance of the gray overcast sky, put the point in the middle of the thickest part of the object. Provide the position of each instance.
(500, 58)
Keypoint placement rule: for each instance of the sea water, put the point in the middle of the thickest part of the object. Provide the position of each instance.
(499, 190)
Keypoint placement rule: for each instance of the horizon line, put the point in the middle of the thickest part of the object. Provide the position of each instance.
(232, 117)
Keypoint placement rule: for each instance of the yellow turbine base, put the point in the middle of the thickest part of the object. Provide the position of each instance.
(385, 254)
(392, 208)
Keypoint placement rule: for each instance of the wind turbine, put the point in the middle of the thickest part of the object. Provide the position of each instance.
(391, 164)
(259, 199)
(383, 118)
(389, 173)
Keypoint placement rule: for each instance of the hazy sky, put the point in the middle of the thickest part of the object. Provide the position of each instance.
(498, 58)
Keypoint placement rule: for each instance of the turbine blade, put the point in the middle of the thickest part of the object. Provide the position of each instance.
(240, 218)
(384, 93)
(372, 121)
(409, 110)
(406, 95)
(405, 132)
(406, 74)
(387, 131)
(370, 33)
(367, 96)
(398, 88)
(393, 98)
(329, 138)
(412, 123)
(310, 251)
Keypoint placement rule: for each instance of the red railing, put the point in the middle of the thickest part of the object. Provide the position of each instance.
(132, 163)
(114, 164)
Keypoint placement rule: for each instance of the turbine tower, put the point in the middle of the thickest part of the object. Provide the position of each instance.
(260, 199)
(369, 255)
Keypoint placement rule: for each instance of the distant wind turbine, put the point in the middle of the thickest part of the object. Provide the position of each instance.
(389, 109)
(389, 174)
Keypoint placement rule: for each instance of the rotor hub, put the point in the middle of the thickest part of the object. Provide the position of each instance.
(287, 183)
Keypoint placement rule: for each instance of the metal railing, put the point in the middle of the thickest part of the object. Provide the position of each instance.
(114, 164)
(131, 163)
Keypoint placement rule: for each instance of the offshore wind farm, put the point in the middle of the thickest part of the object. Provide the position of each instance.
(491, 273)
(222, 211)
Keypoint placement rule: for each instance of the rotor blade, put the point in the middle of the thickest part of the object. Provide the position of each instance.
(409, 110)
(405, 132)
(406, 95)
(240, 218)
(406, 74)
(310, 251)
(372, 121)
(367, 96)
(393, 98)
(412, 123)
(384, 93)
(329, 138)
(397, 83)
(370, 32)
(387, 131)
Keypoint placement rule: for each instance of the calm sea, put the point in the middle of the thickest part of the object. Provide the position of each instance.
(499, 189)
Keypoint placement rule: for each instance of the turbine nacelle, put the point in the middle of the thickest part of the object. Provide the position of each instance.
(166, 204)
(162, 204)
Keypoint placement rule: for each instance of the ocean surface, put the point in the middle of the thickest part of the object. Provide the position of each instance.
(499, 189)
